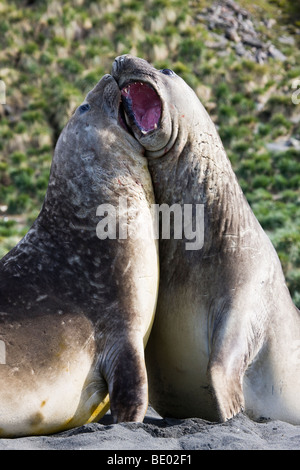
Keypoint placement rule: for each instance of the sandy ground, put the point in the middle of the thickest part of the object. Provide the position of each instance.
(159, 434)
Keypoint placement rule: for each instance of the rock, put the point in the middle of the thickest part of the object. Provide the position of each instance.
(295, 143)
(240, 50)
(251, 40)
(269, 23)
(248, 27)
(261, 57)
(232, 34)
(240, 32)
(219, 43)
(8, 111)
(3, 209)
(288, 40)
(204, 93)
(284, 145)
(295, 119)
(276, 54)
(277, 147)
(236, 8)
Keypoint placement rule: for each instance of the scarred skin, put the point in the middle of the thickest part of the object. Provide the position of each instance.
(226, 334)
(76, 311)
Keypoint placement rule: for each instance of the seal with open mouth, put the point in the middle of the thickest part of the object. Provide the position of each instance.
(76, 308)
(226, 333)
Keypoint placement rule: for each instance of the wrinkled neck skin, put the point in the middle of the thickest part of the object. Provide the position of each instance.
(83, 176)
(196, 170)
(188, 165)
(76, 187)
(68, 216)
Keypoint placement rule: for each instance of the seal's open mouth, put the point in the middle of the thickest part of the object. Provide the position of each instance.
(142, 107)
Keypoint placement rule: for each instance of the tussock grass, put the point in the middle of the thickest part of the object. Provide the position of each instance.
(52, 53)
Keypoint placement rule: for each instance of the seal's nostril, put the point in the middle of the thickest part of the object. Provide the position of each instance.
(119, 63)
(115, 66)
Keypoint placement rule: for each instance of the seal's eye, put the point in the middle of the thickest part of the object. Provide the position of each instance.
(84, 108)
(167, 72)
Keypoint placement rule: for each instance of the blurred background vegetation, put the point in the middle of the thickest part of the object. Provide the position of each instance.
(53, 52)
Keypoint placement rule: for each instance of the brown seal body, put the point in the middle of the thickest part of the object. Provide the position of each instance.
(75, 309)
(226, 334)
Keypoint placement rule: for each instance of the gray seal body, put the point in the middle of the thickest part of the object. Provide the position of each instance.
(75, 309)
(226, 334)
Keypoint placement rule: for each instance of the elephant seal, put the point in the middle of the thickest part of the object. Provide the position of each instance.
(75, 309)
(226, 332)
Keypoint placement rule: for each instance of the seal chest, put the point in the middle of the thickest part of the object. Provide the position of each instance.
(77, 303)
(225, 324)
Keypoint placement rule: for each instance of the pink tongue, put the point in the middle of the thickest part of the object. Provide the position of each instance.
(150, 119)
(146, 105)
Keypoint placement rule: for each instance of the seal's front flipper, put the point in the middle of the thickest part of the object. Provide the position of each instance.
(127, 384)
(228, 361)
(226, 386)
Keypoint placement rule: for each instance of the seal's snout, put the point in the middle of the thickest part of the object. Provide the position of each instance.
(143, 110)
(119, 63)
(115, 66)
(125, 65)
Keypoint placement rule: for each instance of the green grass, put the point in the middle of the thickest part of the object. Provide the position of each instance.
(53, 53)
